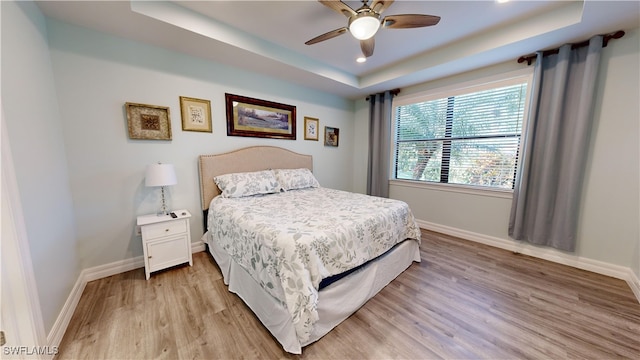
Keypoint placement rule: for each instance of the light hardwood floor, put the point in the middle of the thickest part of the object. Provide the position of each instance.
(463, 301)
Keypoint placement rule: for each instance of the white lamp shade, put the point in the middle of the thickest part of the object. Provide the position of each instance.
(160, 175)
(364, 27)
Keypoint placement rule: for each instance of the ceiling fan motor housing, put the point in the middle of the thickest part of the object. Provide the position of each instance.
(364, 24)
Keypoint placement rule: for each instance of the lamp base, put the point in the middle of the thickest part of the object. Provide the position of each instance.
(163, 209)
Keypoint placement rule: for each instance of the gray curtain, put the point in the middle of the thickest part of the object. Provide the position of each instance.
(546, 198)
(379, 144)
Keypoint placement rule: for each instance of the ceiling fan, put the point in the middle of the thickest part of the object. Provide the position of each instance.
(365, 22)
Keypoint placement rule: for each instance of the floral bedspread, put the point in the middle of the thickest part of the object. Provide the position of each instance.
(297, 238)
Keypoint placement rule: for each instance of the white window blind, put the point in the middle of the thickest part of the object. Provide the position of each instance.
(471, 138)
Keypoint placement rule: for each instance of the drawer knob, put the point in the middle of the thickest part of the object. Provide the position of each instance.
(167, 230)
(150, 256)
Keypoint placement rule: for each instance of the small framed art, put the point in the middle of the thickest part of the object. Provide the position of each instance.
(196, 114)
(311, 126)
(331, 136)
(148, 122)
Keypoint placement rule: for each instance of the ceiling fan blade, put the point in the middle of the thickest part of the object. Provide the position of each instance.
(406, 21)
(381, 5)
(338, 6)
(367, 46)
(326, 36)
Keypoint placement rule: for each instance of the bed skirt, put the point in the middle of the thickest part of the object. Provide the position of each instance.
(336, 302)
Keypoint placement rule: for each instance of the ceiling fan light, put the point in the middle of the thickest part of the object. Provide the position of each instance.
(364, 26)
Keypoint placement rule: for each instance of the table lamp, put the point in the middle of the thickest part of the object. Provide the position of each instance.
(161, 175)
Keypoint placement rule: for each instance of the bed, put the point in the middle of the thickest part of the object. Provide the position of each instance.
(301, 256)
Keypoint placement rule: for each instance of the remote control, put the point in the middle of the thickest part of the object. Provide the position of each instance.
(173, 215)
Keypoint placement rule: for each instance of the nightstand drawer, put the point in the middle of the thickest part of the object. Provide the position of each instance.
(168, 228)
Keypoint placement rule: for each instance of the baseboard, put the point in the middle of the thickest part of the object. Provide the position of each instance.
(114, 268)
(197, 246)
(98, 272)
(62, 322)
(600, 267)
(634, 284)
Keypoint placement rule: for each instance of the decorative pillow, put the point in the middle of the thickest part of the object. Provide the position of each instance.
(291, 179)
(247, 183)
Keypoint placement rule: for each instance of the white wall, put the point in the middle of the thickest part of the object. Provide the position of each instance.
(95, 74)
(609, 219)
(35, 134)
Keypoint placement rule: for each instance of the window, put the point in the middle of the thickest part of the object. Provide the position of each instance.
(469, 136)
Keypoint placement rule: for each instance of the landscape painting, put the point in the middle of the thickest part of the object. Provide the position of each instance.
(259, 118)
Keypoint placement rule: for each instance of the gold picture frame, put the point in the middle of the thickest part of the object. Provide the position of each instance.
(331, 136)
(259, 118)
(311, 128)
(148, 122)
(196, 114)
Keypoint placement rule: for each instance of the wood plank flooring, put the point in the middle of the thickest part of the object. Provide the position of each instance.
(463, 301)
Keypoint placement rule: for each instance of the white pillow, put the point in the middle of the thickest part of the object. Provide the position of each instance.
(247, 183)
(291, 179)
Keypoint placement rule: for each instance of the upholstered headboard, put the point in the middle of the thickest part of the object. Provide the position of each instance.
(253, 158)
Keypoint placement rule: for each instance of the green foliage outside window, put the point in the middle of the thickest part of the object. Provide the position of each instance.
(470, 139)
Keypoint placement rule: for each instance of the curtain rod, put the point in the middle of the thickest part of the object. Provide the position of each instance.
(393, 92)
(605, 40)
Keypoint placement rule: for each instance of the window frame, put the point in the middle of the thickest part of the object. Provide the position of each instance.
(456, 89)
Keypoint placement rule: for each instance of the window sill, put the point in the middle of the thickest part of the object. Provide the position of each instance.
(471, 190)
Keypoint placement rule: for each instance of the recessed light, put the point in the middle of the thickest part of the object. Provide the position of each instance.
(361, 59)
(502, 1)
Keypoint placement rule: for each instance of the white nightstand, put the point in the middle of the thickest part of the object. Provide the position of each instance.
(165, 241)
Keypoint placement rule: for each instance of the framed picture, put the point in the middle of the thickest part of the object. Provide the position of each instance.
(331, 136)
(196, 114)
(259, 118)
(148, 122)
(311, 126)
